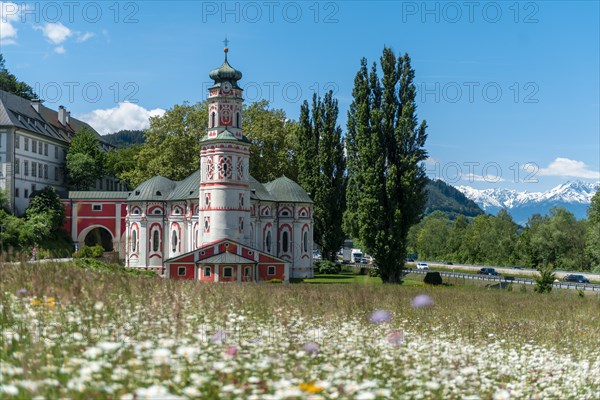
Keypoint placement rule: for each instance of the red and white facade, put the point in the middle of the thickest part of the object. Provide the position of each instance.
(219, 224)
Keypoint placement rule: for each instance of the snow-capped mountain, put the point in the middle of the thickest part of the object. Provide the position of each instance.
(574, 196)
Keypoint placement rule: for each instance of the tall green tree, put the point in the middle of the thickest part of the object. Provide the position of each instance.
(172, 144)
(85, 160)
(592, 235)
(121, 161)
(321, 170)
(46, 202)
(385, 144)
(272, 135)
(10, 83)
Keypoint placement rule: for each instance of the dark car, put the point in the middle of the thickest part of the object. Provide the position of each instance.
(515, 267)
(488, 271)
(576, 278)
(448, 263)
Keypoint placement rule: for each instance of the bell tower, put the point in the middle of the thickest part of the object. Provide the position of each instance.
(224, 166)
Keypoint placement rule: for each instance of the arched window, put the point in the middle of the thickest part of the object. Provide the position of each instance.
(237, 120)
(155, 240)
(268, 242)
(305, 241)
(174, 241)
(213, 116)
(285, 242)
(133, 240)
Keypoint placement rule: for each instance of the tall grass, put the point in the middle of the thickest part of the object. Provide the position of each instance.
(99, 306)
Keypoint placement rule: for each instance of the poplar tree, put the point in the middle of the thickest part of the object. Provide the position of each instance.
(321, 170)
(385, 154)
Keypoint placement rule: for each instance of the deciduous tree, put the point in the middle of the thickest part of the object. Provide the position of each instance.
(385, 145)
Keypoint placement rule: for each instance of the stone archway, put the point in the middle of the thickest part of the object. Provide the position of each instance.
(98, 235)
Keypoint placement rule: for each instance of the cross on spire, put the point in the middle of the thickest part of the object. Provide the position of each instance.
(226, 42)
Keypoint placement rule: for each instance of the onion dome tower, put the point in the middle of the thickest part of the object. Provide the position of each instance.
(225, 155)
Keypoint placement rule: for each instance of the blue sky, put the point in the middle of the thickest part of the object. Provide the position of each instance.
(510, 90)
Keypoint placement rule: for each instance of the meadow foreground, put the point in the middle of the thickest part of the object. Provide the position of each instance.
(73, 333)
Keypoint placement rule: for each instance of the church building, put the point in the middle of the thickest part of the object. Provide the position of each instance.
(217, 225)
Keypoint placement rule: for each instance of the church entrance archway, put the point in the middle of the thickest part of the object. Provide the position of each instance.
(101, 236)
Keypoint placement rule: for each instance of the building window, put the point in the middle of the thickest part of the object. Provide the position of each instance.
(206, 224)
(174, 241)
(246, 272)
(45, 149)
(33, 188)
(26, 193)
(34, 146)
(26, 144)
(212, 119)
(26, 168)
(133, 240)
(180, 271)
(17, 165)
(17, 141)
(56, 173)
(40, 170)
(33, 168)
(56, 152)
(271, 270)
(45, 171)
(237, 120)
(227, 272)
(17, 192)
(268, 242)
(206, 271)
(285, 241)
(155, 240)
(305, 241)
(97, 207)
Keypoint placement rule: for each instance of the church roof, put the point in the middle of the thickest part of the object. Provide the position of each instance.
(259, 192)
(157, 188)
(226, 135)
(187, 188)
(227, 258)
(286, 190)
(225, 73)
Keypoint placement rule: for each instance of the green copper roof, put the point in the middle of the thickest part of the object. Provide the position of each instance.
(227, 258)
(226, 135)
(259, 192)
(187, 188)
(225, 73)
(286, 190)
(154, 189)
(98, 194)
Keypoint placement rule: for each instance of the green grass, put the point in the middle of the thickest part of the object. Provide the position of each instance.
(104, 333)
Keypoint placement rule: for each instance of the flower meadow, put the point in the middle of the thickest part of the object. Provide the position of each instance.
(73, 333)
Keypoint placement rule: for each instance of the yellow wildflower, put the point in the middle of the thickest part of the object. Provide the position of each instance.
(36, 302)
(310, 387)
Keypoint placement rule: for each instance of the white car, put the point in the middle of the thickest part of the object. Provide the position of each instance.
(422, 265)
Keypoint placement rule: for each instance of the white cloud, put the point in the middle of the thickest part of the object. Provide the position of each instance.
(9, 13)
(125, 116)
(566, 167)
(82, 37)
(55, 32)
(60, 50)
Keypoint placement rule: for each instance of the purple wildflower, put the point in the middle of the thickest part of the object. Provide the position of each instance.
(421, 301)
(380, 316)
(311, 347)
(219, 336)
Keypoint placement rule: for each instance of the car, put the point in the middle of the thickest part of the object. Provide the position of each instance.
(488, 271)
(448, 263)
(576, 278)
(410, 260)
(422, 265)
(515, 267)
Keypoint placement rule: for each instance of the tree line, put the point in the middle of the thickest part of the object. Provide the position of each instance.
(558, 239)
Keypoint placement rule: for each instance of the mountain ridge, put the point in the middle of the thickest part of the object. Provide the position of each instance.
(575, 196)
